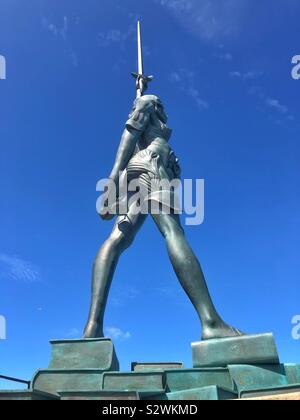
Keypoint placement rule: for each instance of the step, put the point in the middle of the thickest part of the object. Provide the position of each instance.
(209, 393)
(247, 349)
(291, 396)
(160, 366)
(94, 353)
(250, 377)
(293, 373)
(185, 379)
(264, 392)
(51, 380)
(99, 395)
(27, 395)
(146, 382)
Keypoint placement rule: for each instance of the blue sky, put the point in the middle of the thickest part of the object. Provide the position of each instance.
(223, 70)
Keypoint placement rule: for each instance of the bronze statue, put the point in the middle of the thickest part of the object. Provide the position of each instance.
(145, 154)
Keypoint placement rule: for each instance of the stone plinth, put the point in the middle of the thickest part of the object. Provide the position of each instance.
(242, 367)
(76, 365)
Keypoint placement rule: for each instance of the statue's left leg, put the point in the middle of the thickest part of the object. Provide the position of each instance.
(106, 261)
(190, 275)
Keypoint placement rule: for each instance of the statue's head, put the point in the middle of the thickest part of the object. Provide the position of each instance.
(158, 105)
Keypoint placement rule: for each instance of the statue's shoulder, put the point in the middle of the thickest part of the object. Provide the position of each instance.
(143, 108)
(146, 102)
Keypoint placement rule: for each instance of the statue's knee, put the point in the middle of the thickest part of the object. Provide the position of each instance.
(126, 241)
(120, 241)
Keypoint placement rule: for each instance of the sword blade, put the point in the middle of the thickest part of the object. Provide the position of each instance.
(140, 49)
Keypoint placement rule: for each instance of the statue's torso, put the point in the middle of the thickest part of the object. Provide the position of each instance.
(156, 138)
(153, 150)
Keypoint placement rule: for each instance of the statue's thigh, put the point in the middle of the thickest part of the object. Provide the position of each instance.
(168, 223)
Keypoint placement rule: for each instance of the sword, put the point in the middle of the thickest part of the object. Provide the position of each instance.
(141, 79)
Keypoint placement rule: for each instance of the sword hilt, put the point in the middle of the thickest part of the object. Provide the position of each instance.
(142, 82)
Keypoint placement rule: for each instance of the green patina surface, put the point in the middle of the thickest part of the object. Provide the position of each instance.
(84, 354)
(248, 349)
(249, 377)
(77, 365)
(99, 396)
(151, 382)
(180, 380)
(292, 373)
(151, 367)
(26, 395)
(263, 392)
(51, 380)
(84, 370)
(210, 393)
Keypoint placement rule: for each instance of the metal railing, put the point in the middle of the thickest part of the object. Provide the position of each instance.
(20, 381)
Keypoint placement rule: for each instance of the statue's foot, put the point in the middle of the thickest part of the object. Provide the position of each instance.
(220, 330)
(92, 330)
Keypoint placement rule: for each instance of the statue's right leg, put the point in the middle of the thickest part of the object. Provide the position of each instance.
(104, 267)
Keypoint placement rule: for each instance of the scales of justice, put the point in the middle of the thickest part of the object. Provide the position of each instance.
(227, 364)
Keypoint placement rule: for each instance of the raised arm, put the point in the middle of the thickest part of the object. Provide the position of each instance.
(135, 126)
(125, 152)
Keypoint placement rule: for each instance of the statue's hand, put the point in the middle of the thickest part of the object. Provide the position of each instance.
(106, 215)
(109, 204)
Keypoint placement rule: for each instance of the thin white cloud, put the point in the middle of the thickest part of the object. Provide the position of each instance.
(55, 29)
(224, 56)
(236, 74)
(272, 104)
(115, 36)
(210, 20)
(112, 36)
(74, 332)
(275, 104)
(117, 334)
(122, 296)
(250, 75)
(195, 94)
(184, 78)
(257, 91)
(62, 32)
(175, 77)
(17, 269)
